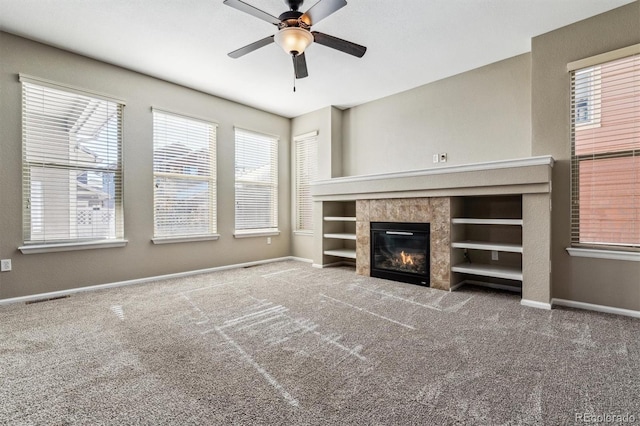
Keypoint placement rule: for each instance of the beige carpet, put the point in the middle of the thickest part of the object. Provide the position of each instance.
(285, 343)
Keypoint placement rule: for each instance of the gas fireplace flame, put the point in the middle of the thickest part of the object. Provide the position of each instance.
(406, 258)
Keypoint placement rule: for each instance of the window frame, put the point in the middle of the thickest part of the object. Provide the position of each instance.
(58, 94)
(311, 152)
(241, 136)
(211, 178)
(594, 65)
(593, 98)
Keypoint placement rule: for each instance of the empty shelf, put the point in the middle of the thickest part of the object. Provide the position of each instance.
(482, 245)
(496, 271)
(341, 236)
(472, 221)
(349, 253)
(340, 218)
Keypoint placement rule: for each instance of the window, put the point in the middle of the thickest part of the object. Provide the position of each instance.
(256, 170)
(587, 97)
(184, 153)
(72, 165)
(306, 171)
(605, 158)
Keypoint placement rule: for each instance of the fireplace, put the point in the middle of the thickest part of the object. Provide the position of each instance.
(400, 251)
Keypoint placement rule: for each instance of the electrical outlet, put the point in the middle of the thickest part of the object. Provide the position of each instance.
(443, 157)
(5, 265)
(268, 240)
(494, 255)
(436, 158)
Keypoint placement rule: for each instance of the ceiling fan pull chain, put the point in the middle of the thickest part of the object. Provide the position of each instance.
(294, 74)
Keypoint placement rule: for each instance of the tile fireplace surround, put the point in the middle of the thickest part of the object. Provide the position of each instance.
(433, 196)
(435, 211)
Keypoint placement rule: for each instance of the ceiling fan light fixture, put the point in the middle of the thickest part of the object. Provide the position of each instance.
(293, 40)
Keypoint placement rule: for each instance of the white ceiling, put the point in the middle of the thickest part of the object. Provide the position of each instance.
(410, 42)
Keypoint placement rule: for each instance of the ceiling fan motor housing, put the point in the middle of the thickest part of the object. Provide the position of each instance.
(291, 18)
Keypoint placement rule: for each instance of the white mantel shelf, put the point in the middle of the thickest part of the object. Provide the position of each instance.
(518, 176)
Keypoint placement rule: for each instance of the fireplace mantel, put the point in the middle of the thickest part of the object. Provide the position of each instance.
(518, 176)
(433, 195)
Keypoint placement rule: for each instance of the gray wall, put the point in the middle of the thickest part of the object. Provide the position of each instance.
(514, 108)
(480, 115)
(605, 282)
(38, 273)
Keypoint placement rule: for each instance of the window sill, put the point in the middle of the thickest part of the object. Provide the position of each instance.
(604, 254)
(89, 245)
(256, 233)
(194, 238)
(307, 233)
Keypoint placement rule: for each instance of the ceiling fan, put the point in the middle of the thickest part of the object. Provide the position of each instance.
(294, 31)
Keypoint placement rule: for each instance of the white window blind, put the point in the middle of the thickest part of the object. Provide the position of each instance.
(605, 160)
(306, 171)
(256, 183)
(72, 165)
(184, 160)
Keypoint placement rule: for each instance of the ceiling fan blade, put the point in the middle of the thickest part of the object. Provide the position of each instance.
(339, 44)
(247, 8)
(300, 65)
(251, 47)
(321, 10)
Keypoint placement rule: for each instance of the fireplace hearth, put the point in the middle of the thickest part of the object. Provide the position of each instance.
(400, 251)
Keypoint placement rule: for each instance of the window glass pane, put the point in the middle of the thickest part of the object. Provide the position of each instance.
(256, 186)
(610, 201)
(72, 171)
(605, 154)
(306, 169)
(184, 172)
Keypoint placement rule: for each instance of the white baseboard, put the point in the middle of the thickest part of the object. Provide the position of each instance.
(61, 293)
(300, 259)
(535, 304)
(597, 308)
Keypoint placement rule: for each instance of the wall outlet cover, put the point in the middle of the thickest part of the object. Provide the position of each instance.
(5, 265)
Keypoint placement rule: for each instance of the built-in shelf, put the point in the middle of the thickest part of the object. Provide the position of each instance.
(338, 230)
(474, 221)
(348, 253)
(341, 236)
(488, 224)
(483, 245)
(495, 271)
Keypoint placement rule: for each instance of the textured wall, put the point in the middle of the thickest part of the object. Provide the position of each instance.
(480, 115)
(38, 273)
(599, 281)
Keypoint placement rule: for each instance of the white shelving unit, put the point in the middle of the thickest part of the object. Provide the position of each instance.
(482, 245)
(495, 271)
(347, 253)
(341, 236)
(474, 221)
(339, 232)
(340, 218)
(491, 231)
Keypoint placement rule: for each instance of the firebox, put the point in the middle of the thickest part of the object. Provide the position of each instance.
(400, 251)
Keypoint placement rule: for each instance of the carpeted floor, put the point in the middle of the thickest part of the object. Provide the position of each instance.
(285, 343)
